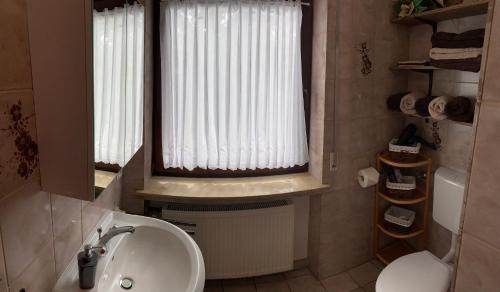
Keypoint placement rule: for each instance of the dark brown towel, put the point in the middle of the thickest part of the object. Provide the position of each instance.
(469, 39)
(422, 106)
(394, 102)
(471, 65)
(460, 109)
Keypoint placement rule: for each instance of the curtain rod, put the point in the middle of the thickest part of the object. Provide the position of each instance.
(300, 2)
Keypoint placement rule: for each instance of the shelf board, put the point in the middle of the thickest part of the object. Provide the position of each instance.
(419, 68)
(419, 162)
(416, 197)
(394, 251)
(446, 13)
(415, 231)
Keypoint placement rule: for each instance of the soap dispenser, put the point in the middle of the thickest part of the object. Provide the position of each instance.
(87, 266)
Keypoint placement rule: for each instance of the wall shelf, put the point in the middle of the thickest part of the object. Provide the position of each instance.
(446, 13)
(418, 68)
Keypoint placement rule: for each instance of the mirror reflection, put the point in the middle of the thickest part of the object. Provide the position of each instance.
(118, 70)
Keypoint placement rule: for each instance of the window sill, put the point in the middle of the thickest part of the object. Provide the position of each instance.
(230, 189)
(103, 179)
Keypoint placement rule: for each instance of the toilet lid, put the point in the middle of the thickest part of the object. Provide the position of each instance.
(416, 272)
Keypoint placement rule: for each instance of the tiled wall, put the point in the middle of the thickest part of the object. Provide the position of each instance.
(361, 45)
(39, 232)
(479, 261)
(456, 147)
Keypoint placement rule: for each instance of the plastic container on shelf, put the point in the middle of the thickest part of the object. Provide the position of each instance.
(400, 216)
(404, 153)
(408, 183)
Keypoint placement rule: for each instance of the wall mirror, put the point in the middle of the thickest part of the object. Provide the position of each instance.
(118, 86)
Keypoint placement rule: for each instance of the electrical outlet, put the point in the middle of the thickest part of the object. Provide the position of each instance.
(333, 161)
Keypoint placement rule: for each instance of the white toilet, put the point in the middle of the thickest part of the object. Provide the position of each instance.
(422, 271)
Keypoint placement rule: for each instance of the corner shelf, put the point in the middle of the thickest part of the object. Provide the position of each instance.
(393, 251)
(420, 196)
(446, 13)
(420, 161)
(415, 231)
(417, 197)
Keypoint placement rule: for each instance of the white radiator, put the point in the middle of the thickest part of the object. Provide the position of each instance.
(240, 240)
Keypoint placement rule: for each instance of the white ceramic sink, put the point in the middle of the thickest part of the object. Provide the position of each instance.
(158, 257)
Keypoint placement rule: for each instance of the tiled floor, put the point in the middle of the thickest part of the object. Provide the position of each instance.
(359, 279)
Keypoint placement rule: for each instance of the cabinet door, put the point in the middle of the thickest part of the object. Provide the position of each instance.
(60, 44)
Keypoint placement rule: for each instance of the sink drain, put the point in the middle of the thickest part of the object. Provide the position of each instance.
(126, 283)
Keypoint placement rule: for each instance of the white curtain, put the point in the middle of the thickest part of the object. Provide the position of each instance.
(118, 83)
(232, 84)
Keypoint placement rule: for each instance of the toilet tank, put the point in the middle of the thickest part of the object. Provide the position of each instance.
(448, 198)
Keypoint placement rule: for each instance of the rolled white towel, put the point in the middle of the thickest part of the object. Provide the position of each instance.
(407, 104)
(454, 54)
(437, 107)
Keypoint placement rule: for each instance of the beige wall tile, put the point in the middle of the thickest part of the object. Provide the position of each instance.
(478, 267)
(14, 51)
(67, 226)
(40, 274)
(18, 141)
(26, 226)
(108, 200)
(483, 206)
(491, 90)
(3, 275)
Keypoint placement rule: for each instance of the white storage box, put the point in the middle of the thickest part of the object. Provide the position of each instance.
(399, 216)
(415, 149)
(409, 183)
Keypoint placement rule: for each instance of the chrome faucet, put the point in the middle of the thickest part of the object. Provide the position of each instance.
(112, 232)
(104, 239)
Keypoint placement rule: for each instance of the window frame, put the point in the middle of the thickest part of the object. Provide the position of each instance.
(157, 153)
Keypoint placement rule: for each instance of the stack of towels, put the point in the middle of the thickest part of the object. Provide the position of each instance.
(418, 104)
(457, 51)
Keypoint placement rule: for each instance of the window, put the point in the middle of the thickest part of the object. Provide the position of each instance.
(229, 96)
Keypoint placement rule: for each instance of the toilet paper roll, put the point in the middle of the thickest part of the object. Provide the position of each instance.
(368, 177)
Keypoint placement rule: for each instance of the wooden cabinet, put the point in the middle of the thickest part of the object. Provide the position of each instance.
(60, 43)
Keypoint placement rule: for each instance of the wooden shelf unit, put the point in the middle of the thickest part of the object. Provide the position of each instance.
(432, 18)
(393, 251)
(400, 248)
(446, 13)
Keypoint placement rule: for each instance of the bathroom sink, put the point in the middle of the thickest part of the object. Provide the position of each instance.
(157, 257)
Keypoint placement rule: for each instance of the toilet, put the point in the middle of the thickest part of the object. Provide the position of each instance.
(423, 271)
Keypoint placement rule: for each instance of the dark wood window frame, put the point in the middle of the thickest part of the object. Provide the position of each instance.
(157, 159)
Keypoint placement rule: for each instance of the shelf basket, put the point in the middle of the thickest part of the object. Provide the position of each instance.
(399, 218)
(404, 153)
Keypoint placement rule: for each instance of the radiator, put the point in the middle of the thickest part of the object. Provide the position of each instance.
(239, 240)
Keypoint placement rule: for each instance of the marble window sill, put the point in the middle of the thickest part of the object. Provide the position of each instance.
(230, 189)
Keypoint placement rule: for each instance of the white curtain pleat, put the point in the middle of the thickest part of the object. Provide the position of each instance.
(232, 85)
(118, 83)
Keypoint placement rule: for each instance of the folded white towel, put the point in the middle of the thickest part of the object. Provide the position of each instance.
(455, 54)
(407, 104)
(437, 107)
